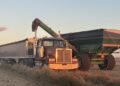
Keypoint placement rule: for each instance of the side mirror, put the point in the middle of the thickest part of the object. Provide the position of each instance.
(41, 52)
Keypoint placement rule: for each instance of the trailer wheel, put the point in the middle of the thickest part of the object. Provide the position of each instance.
(12, 61)
(27, 61)
(8, 61)
(84, 62)
(109, 63)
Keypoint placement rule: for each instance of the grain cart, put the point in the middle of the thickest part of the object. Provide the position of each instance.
(96, 46)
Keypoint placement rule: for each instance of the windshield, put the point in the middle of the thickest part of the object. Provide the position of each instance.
(55, 43)
(48, 43)
(58, 43)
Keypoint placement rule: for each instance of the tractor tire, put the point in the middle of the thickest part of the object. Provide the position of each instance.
(85, 62)
(109, 63)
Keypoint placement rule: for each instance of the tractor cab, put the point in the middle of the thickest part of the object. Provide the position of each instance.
(48, 46)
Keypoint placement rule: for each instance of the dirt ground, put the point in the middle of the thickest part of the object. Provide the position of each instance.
(9, 78)
(21, 77)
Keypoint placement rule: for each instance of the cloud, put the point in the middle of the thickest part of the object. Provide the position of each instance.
(2, 28)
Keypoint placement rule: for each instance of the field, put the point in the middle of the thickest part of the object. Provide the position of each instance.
(19, 75)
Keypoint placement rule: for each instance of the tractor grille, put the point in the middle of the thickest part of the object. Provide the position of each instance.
(63, 55)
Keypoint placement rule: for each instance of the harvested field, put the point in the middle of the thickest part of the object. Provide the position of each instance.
(19, 75)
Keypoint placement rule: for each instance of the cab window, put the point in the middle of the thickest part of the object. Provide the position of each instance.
(58, 43)
(47, 43)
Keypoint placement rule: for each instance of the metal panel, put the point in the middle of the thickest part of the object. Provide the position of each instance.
(17, 49)
(85, 35)
(63, 55)
(99, 36)
(94, 40)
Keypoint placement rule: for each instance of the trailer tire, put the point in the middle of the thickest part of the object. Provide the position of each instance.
(27, 61)
(12, 61)
(8, 61)
(109, 63)
(85, 62)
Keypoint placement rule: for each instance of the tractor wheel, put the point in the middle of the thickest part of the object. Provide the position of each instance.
(109, 63)
(84, 62)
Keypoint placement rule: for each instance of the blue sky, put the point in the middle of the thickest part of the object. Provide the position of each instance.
(64, 15)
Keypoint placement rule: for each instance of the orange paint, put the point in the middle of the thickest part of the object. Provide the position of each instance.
(112, 31)
(111, 45)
